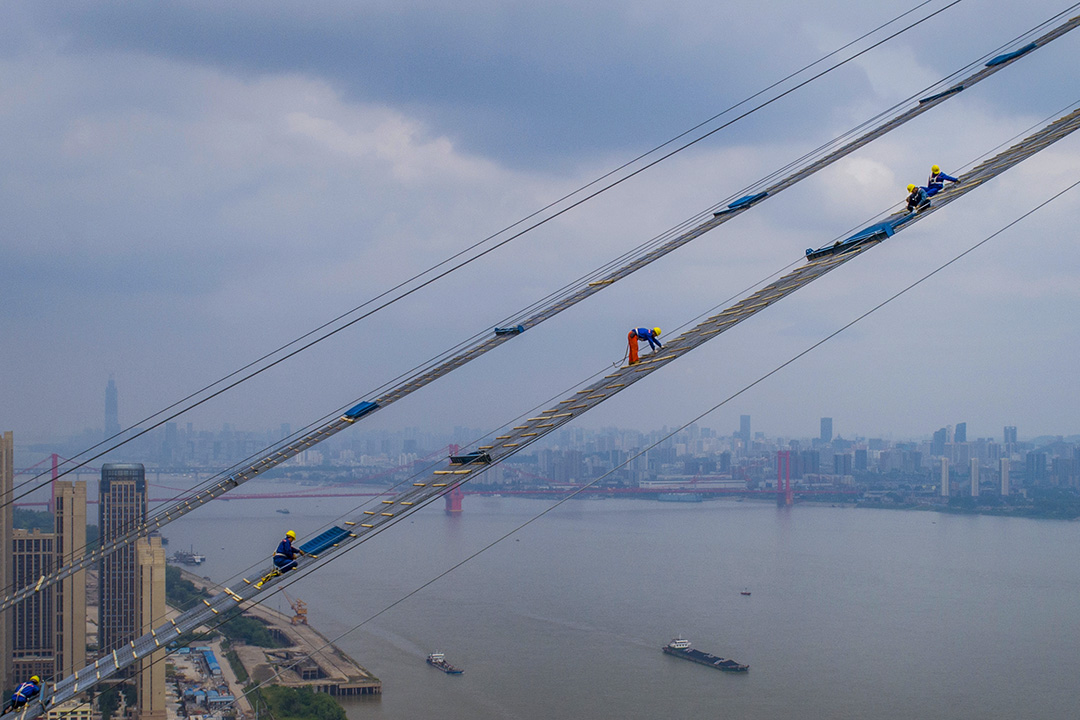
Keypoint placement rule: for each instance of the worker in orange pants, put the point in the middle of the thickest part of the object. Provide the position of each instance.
(642, 334)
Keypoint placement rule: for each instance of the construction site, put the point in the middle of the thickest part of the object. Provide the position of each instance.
(307, 658)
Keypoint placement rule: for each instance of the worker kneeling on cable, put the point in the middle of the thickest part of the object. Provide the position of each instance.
(285, 557)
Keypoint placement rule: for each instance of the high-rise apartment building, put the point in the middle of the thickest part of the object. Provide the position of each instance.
(150, 557)
(32, 555)
(1010, 434)
(1004, 476)
(826, 430)
(944, 477)
(974, 477)
(121, 507)
(960, 434)
(49, 629)
(1035, 468)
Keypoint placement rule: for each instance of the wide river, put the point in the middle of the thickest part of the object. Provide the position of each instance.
(852, 613)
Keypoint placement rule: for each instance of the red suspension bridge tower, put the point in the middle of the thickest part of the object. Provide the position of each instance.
(785, 496)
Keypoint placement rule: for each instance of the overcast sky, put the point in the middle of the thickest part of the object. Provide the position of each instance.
(185, 186)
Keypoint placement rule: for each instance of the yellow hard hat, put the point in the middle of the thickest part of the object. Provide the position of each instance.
(35, 679)
(911, 187)
(656, 331)
(291, 535)
(935, 169)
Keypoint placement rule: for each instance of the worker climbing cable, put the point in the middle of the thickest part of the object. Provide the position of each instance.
(642, 334)
(937, 180)
(284, 558)
(24, 693)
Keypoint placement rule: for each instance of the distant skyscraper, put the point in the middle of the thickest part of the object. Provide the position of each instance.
(112, 410)
(1010, 435)
(826, 430)
(744, 430)
(1035, 468)
(974, 477)
(121, 506)
(944, 477)
(937, 445)
(1004, 476)
(960, 435)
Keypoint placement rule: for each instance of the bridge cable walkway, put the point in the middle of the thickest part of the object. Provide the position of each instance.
(324, 547)
(501, 335)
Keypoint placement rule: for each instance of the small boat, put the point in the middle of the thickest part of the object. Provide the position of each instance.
(744, 592)
(436, 659)
(284, 511)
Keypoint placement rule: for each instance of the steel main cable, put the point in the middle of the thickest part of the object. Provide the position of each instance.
(646, 449)
(924, 104)
(487, 239)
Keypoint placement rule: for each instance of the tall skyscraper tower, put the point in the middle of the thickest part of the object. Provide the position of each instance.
(7, 484)
(112, 410)
(1010, 435)
(826, 430)
(121, 506)
(944, 477)
(960, 435)
(1004, 476)
(974, 477)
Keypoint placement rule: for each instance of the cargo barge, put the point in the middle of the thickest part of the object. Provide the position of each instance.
(681, 648)
(436, 659)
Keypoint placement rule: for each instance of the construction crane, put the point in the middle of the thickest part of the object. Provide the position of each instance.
(299, 608)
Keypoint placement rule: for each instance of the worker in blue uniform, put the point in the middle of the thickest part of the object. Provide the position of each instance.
(917, 198)
(24, 693)
(651, 335)
(284, 558)
(937, 181)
